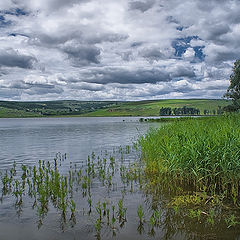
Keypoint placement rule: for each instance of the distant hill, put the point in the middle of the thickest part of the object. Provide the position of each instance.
(70, 108)
(51, 108)
(152, 108)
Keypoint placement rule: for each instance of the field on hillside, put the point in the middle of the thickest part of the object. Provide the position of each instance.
(152, 108)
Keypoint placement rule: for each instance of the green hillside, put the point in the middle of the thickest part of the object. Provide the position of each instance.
(151, 108)
(70, 108)
(51, 108)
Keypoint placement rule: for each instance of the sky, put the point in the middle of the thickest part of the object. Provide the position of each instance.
(117, 50)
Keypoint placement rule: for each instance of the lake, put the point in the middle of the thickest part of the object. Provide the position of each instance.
(29, 140)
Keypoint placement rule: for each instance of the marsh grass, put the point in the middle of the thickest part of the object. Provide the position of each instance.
(202, 155)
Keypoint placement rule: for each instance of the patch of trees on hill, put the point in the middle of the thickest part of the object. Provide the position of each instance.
(179, 111)
(167, 111)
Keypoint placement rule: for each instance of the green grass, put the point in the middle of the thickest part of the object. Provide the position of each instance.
(199, 154)
(152, 108)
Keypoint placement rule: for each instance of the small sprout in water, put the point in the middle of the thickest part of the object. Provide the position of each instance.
(99, 210)
(140, 213)
(72, 206)
(113, 215)
(98, 227)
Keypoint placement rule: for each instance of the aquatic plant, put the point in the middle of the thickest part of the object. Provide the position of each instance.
(199, 154)
(140, 214)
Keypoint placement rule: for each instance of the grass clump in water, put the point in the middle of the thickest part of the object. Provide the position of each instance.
(198, 154)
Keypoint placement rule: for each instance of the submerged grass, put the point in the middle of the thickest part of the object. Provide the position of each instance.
(198, 154)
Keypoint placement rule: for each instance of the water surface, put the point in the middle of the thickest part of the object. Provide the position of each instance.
(29, 140)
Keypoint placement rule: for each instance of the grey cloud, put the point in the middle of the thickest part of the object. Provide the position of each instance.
(46, 5)
(82, 54)
(216, 56)
(126, 56)
(234, 16)
(19, 85)
(34, 87)
(123, 76)
(12, 58)
(136, 44)
(41, 89)
(106, 37)
(216, 31)
(153, 54)
(209, 5)
(182, 71)
(75, 34)
(9, 93)
(89, 87)
(3, 72)
(142, 6)
(57, 4)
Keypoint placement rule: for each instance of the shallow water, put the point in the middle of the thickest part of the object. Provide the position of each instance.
(29, 140)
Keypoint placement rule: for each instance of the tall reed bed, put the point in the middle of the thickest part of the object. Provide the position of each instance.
(203, 154)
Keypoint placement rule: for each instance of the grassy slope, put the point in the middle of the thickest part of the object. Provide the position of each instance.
(151, 108)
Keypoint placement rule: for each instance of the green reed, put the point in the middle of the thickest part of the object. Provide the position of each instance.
(201, 154)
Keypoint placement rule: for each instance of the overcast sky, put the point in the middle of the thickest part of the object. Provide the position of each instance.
(117, 49)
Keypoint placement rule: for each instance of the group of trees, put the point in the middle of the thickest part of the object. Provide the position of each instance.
(179, 111)
(167, 111)
(233, 91)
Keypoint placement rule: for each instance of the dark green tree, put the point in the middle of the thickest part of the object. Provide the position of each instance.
(233, 91)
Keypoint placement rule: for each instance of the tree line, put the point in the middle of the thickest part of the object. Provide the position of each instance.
(167, 111)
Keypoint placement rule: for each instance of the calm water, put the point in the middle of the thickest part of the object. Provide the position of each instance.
(29, 140)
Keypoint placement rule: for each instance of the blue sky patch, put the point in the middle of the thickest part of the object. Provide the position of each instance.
(182, 44)
(4, 22)
(16, 11)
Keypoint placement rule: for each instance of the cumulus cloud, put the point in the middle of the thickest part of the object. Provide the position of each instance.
(123, 50)
(127, 76)
(11, 58)
(141, 5)
(81, 54)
